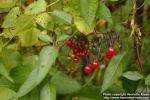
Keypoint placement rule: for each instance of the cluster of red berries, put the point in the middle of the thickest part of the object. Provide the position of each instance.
(109, 54)
(80, 52)
(78, 49)
(91, 67)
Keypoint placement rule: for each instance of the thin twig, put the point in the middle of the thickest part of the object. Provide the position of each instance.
(60, 65)
(52, 3)
(135, 26)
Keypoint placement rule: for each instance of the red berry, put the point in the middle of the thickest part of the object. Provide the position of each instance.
(77, 48)
(78, 54)
(82, 54)
(76, 51)
(75, 60)
(70, 44)
(86, 52)
(110, 53)
(87, 70)
(94, 65)
(69, 41)
(82, 42)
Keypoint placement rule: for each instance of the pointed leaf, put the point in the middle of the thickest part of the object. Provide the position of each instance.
(45, 20)
(132, 75)
(113, 71)
(45, 38)
(36, 7)
(82, 26)
(10, 58)
(65, 84)
(46, 59)
(48, 92)
(7, 94)
(21, 72)
(104, 13)
(4, 72)
(62, 37)
(11, 18)
(24, 23)
(62, 15)
(29, 37)
(88, 10)
(147, 80)
(33, 95)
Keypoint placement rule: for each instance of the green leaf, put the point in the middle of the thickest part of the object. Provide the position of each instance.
(65, 84)
(45, 38)
(8, 33)
(31, 61)
(147, 80)
(24, 23)
(84, 98)
(104, 13)
(11, 17)
(129, 85)
(58, 33)
(115, 89)
(45, 20)
(29, 37)
(88, 10)
(10, 58)
(4, 72)
(147, 2)
(7, 94)
(21, 72)
(113, 0)
(113, 71)
(46, 59)
(7, 3)
(33, 95)
(36, 7)
(62, 15)
(82, 26)
(6, 83)
(62, 37)
(48, 92)
(132, 75)
(92, 92)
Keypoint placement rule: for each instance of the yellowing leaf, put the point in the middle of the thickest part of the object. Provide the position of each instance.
(45, 20)
(10, 58)
(82, 26)
(29, 37)
(7, 3)
(7, 94)
(11, 18)
(23, 24)
(4, 72)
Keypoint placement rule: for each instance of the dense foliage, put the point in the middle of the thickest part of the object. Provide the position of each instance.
(73, 49)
